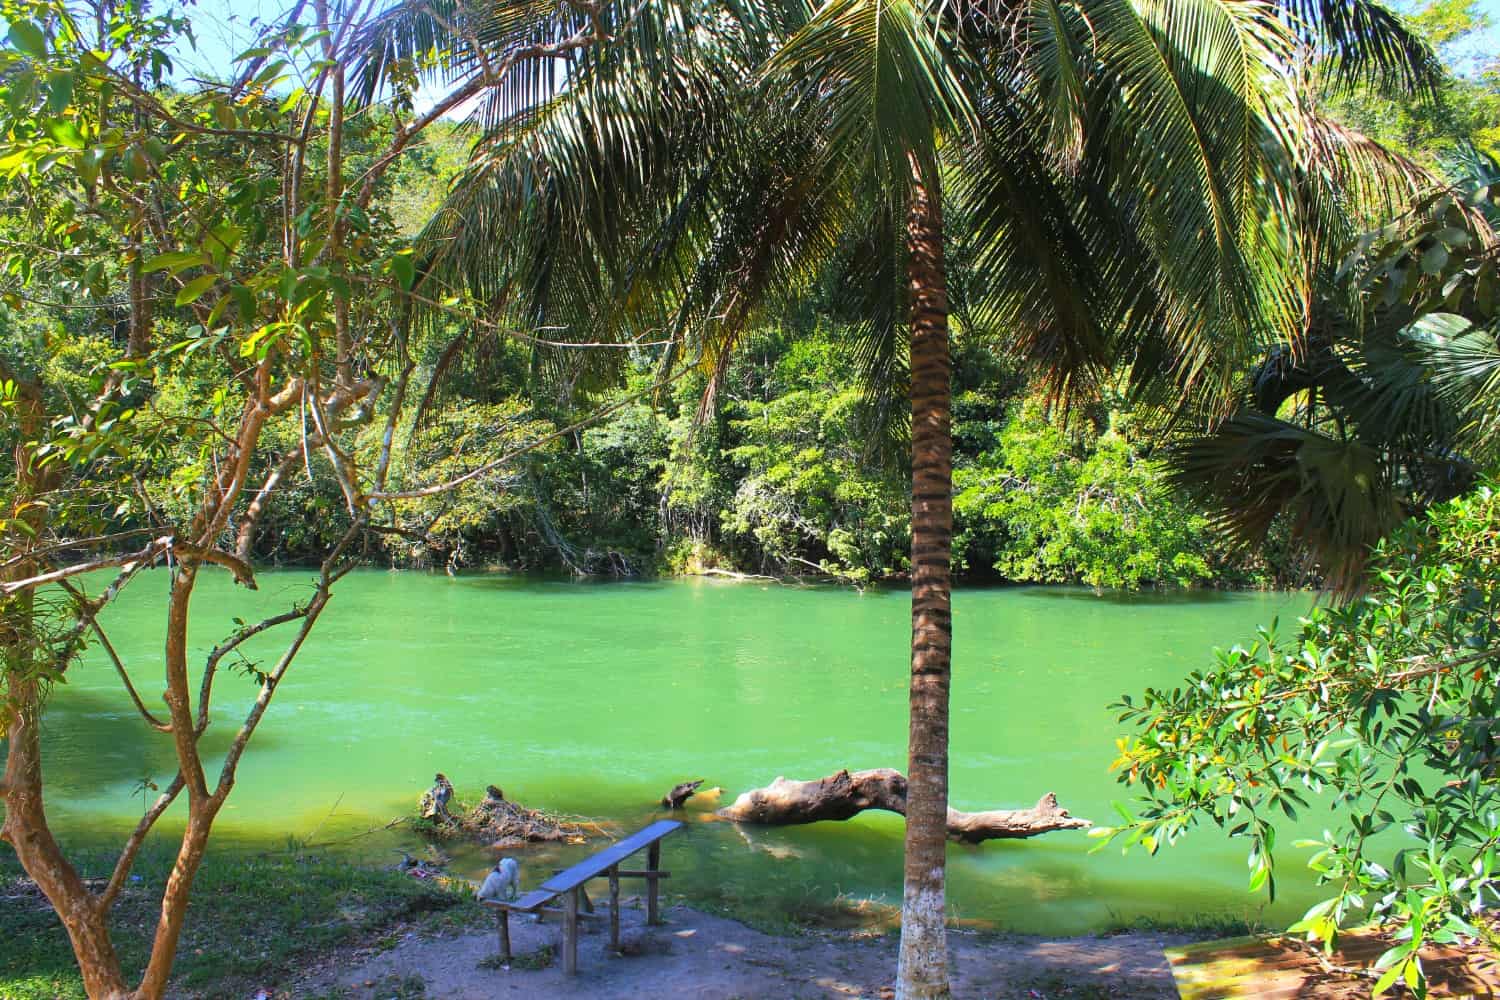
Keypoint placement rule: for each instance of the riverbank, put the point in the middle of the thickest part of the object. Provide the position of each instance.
(711, 957)
(316, 928)
(252, 922)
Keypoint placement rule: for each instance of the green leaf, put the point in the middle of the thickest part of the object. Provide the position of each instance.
(244, 301)
(217, 311)
(1388, 980)
(1313, 917)
(194, 289)
(291, 101)
(403, 270)
(222, 241)
(268, 75)
(1435, 259)
(174, 262)
(27, 37)
(65, 131)
(1391, 957)
(59, 92)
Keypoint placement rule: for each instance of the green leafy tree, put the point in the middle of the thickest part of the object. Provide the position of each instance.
(207, 296)
(1386, 406)
(809, 486)
(1386, 709)
(1383, 706)
(1052, 507)
(1466, 111)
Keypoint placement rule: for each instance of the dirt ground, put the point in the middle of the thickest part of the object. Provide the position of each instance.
(703, 956)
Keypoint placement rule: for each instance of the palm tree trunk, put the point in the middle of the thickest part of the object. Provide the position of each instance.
(923, 971)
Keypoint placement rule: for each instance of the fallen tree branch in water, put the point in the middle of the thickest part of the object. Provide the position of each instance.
(845, 794)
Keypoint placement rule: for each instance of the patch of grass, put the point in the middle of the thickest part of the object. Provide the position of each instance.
(251, 922)
(852, 913)
(402, 987)
(780, 922)
(1207, 926)
(392, 987)
(533, 961)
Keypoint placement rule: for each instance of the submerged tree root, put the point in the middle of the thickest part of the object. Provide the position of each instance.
(499, 822)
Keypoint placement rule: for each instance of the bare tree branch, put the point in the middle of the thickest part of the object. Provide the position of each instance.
(488, 77)
(211, 666)
(243, 574)
(89, 613)
(137, 838)
(245, 538)
(328, 576)
(77, 543)
(132, 559)
(388, 435)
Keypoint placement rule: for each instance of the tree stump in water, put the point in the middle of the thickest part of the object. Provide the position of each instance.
(680, 794)
(434, 803)
(845, 794)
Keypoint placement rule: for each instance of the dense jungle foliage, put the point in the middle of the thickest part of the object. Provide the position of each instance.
(784, 478)
(1386, 707)
(785, 475)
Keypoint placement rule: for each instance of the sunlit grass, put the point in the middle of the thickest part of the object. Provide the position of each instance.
(252, 921)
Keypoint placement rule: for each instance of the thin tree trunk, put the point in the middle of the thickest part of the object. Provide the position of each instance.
(923, 971)
(27, 831)
(174, 902)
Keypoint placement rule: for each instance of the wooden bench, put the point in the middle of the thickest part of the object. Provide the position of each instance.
(569, 884)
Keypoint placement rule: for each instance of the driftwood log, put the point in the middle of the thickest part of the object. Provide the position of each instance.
(680, 793)
(846, 794)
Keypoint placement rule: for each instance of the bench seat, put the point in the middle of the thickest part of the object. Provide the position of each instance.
(526, 904)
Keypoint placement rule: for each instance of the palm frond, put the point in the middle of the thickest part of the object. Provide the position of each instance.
(445, 41)
(1462, 360)
(1365, 42)
(1256, 468)
(883, 74)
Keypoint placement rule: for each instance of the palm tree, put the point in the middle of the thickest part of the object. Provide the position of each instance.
(1389, 404)
(1119, 172)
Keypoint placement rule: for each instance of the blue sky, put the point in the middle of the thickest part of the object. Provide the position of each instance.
(224, 27)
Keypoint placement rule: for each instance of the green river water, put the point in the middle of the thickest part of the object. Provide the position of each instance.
(594, 699)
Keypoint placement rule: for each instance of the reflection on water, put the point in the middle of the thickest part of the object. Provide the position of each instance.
(595, 699)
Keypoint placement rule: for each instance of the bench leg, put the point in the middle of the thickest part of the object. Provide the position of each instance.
(653, 863)
(614, 908)
(588, 904)
(570, 932)
(505, 937)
